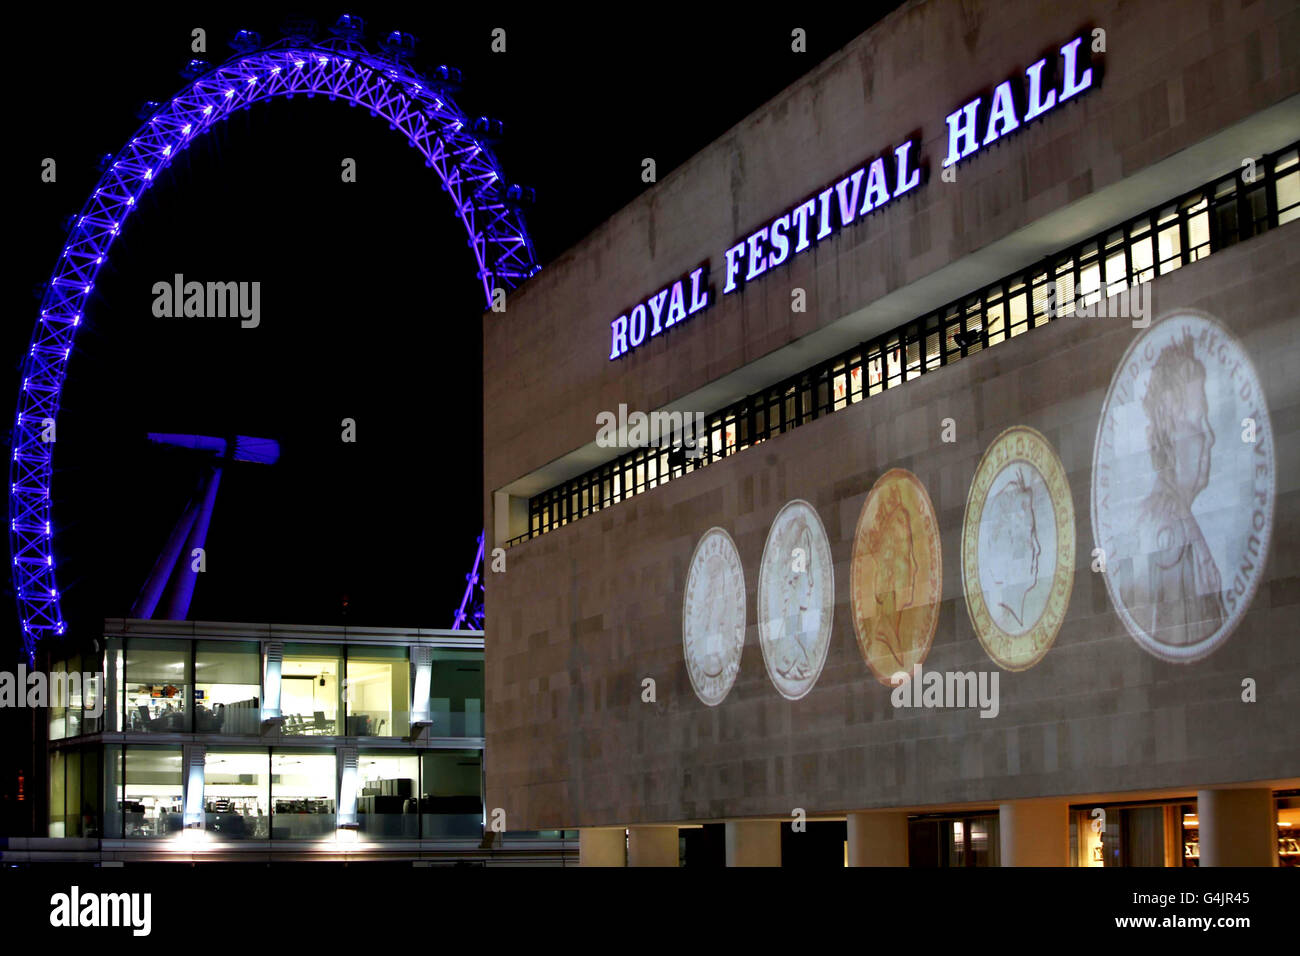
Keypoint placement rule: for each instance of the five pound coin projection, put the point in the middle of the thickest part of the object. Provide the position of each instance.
(1017, 548)
(796, 599)
(897, 575)
(713, 616)
(1183, 485)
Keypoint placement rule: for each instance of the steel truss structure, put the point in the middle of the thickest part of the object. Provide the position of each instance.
(341, 67)
(470, 612)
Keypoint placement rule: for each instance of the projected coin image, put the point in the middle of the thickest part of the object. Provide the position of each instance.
(1017, 548)
(796, 599)
(1183, 485)
(713, 616)
(896, 579)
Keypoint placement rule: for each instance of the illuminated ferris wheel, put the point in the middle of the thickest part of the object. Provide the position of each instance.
(418, 105)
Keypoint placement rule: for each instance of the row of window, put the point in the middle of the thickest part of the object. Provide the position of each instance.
(264, 794)
(1210, 218)
(1159, 835)
(164, 685)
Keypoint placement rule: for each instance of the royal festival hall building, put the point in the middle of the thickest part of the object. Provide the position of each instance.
(202, 741)
(988, 553)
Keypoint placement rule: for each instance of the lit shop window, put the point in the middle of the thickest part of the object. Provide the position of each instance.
(310, 688)
(74, 792)
(1288, 831)
(303, 791)
(151, 795)
(1129, 836)
(157, 686)
(237, 794)
(227, 687)
(456, 693)
(387, 796)
(950, 841)
(451, 805)
(378, 690)
(58, 707)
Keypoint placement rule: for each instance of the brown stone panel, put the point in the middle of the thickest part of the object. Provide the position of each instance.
(1176, 71)
(586, 612)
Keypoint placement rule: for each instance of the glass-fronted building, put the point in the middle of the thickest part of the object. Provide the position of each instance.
(236, 741)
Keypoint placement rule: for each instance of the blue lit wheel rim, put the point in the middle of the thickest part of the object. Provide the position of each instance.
(341, 68)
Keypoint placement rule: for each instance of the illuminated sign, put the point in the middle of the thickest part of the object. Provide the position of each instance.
(892, 173)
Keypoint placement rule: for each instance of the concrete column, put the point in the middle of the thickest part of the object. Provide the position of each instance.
(602, 846)
(652, 846)
(754, 843)
(1237, 827)
(878, 839)
(1034, 833)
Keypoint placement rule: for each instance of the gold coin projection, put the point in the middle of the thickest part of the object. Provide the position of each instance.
(713, 616)
(1017, 548)
(897, 575)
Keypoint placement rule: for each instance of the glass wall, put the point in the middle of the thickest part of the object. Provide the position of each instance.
(237, 794)
(387, 785)
(451, 802)
(74, 698)
(959, 840)
(456, 693)
(92, 697)
(58, 708)
(303, 787)
(69, 692)
(227, 687)
(1130, 836)
(378, 691)
(310, 689)
(152, 792)
(74, 793)
(58, 792)
(113, 791)
(157, 686)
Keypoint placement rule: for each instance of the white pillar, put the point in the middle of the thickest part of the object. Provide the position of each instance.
(1035, 833)
(195, 763)
(878, 839)
(652, 846)
(753, 843)
(271, 683)
(602, 846)
(1237, 827)
(347, 784)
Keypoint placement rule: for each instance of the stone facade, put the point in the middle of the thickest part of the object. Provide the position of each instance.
(585, 613)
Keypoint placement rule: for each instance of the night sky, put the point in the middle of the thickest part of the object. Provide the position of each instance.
(370, 309)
